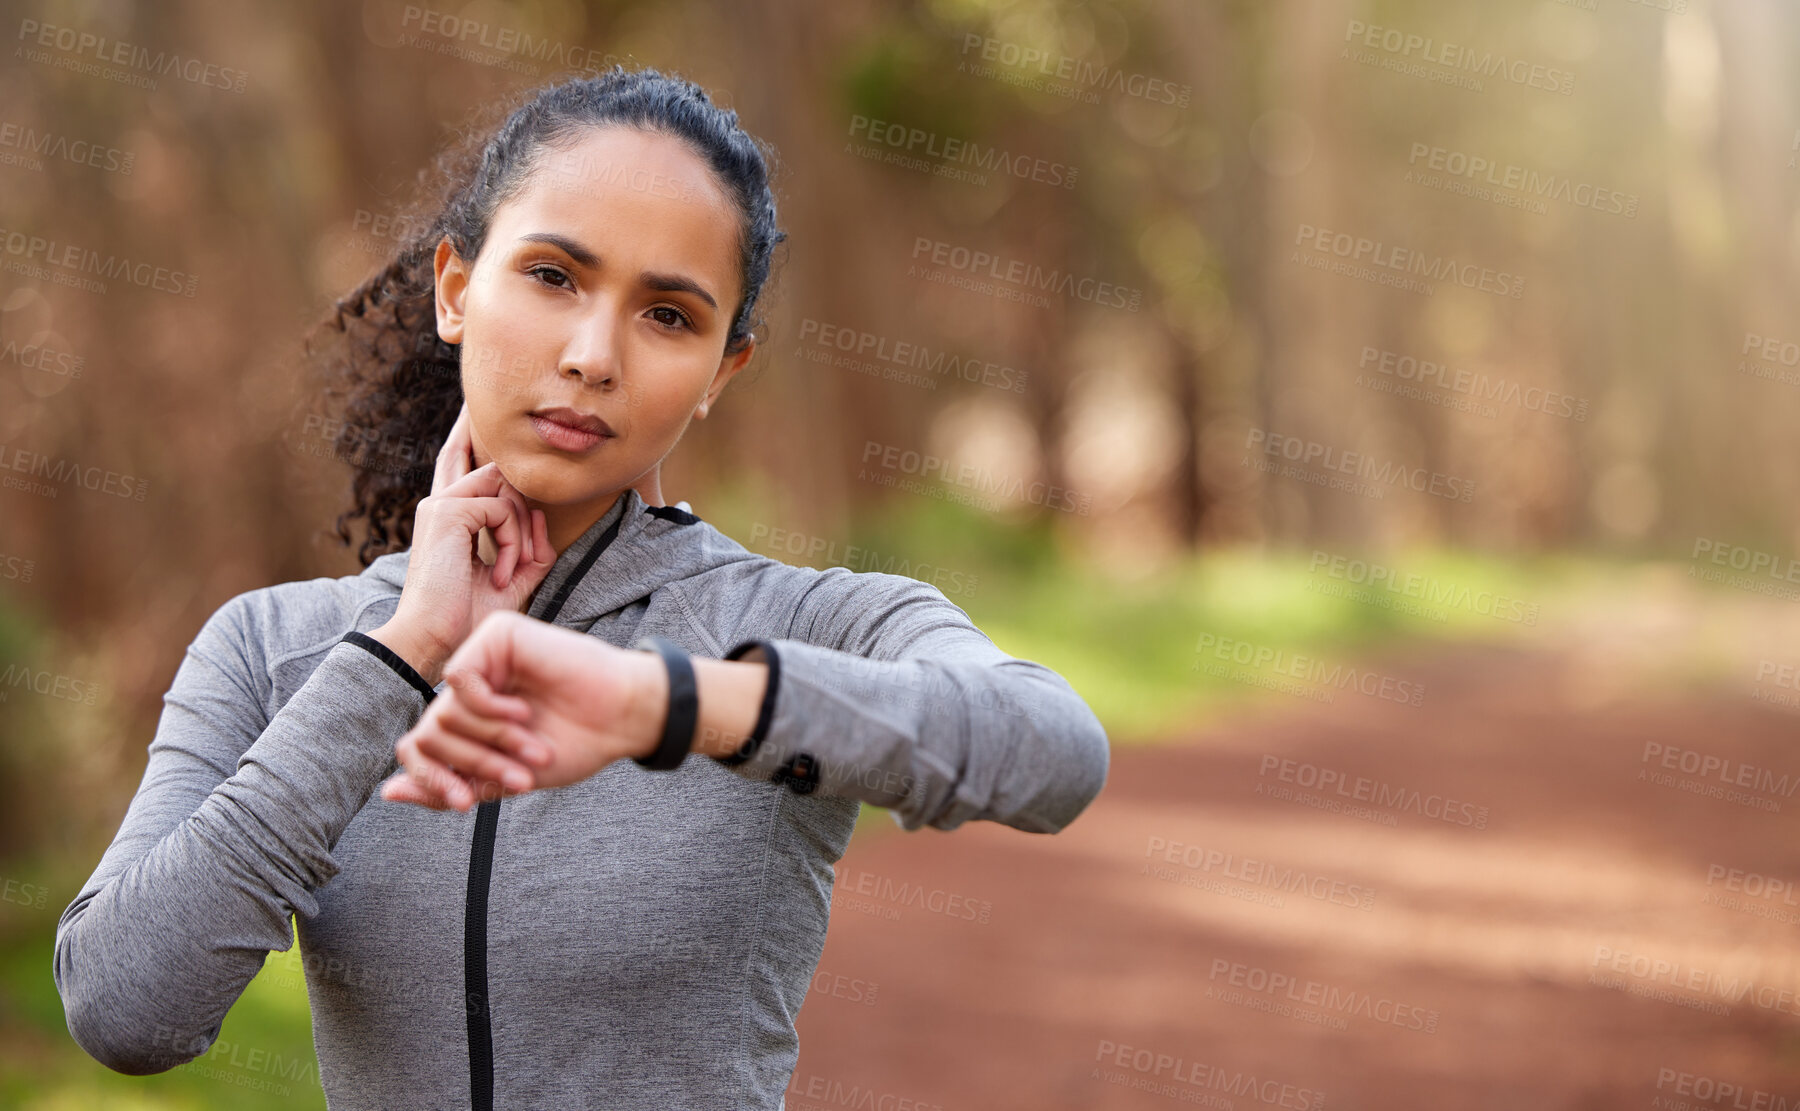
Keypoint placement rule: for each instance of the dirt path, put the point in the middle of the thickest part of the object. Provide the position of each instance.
(1204, 930)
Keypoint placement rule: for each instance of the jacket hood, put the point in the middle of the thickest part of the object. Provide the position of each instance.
(626, 555)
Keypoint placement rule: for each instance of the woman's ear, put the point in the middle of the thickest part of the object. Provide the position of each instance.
(728, 369)
(452, 284)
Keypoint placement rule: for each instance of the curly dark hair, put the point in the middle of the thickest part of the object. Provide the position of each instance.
(398, 385)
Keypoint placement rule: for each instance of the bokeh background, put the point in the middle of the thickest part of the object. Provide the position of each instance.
(1381, 411)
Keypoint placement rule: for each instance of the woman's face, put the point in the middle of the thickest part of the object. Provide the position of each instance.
(603, 293)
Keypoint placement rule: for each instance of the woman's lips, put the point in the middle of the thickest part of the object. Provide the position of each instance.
(564, 438)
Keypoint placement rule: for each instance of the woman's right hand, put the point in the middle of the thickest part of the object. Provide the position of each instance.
(572, 704)
(448, 589)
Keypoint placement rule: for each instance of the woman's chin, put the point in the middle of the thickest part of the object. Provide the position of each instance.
(548, 481)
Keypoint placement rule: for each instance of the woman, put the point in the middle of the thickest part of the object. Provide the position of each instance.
(635, 938)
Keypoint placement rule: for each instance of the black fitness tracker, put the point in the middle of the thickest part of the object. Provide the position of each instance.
(684, 706)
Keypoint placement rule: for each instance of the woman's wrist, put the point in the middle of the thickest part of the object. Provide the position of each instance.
(730, 694)
(425, 657)
(642, 721)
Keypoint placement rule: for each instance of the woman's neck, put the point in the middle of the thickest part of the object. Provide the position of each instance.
(568, 523)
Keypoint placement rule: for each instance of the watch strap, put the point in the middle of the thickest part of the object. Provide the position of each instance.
(684, 706)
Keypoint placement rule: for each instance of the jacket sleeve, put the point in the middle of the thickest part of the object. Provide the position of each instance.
(886, 692)
(229, 834)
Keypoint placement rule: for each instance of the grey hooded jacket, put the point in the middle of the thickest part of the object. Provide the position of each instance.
(641, 939)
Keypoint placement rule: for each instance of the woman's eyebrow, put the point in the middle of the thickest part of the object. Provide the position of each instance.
(677, 283)
(581, 255)
(667, 283)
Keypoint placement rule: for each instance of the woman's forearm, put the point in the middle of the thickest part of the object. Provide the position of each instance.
(206, 871)
(731, 694)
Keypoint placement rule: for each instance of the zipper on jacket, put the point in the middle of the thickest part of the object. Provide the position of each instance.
(481, 864)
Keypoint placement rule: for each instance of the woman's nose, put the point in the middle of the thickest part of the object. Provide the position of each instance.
(592, 354)
(602, 377)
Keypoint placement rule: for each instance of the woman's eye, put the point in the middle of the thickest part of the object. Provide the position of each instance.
(675, 319)
(538, 272)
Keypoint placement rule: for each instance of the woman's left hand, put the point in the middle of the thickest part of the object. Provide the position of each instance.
(543, 705)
